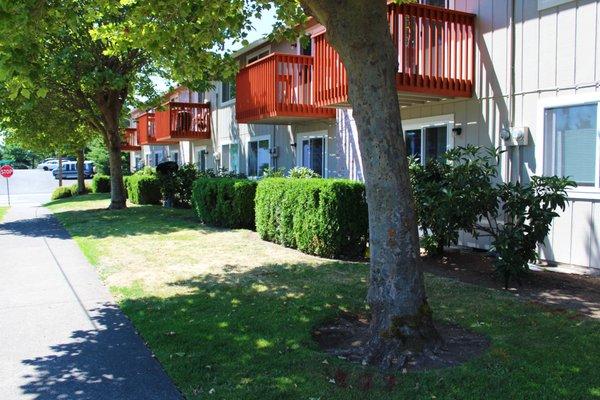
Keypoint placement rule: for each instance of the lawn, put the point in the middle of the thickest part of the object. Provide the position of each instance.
(229, 316)
(3, 211)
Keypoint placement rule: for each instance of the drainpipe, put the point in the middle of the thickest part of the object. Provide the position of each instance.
(510, 165)
(216, 141)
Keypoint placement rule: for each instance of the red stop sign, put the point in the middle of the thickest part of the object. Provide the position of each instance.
(6, 171)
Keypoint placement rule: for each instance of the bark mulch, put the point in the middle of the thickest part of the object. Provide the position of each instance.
(553, 290)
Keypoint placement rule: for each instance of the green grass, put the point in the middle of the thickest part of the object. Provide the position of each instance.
(230, 315)
(3, 211)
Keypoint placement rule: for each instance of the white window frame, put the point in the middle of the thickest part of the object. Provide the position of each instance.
(313, 135)
(229, 143)
(581, 192)
(256, 139)
(228, 102)
(446, 120)
(258, 53)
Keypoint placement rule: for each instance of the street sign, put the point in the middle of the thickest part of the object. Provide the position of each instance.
(6, 171)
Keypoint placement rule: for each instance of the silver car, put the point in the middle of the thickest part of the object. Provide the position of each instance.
(69, 170)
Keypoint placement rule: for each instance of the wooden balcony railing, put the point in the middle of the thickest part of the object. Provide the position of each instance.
(277, 88)
(146, 129)
(183, 121)
(436, 50)
(130, 140)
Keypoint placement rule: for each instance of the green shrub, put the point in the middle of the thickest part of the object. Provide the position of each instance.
(143, 189)
(302, 173)
(226, 202)
(184, 184)
(101, 183)
(528, 211)
(325, 217)
(61, 192)
(452, 192)
(87, 189)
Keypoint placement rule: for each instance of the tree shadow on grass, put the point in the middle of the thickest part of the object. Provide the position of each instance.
(102, 223)
(110, 362)
(247, 335)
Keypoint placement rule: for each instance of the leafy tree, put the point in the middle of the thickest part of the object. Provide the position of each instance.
(186, 41)
(57, 49)
(46, 124)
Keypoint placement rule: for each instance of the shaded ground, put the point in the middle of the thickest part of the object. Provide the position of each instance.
(544, 288)
(230, 316)
(346, 336)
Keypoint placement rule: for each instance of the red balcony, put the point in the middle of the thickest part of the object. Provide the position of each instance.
(435, 57)
(130, 140)
(183, 121)
(277, 89)
(146, 128)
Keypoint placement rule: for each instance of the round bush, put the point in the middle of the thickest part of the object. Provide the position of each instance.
(62, 192)
(101, 183)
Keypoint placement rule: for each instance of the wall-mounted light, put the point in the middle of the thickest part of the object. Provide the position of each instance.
(457, 131)
(294, 145)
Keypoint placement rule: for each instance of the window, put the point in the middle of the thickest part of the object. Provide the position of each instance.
(230, 157)
(258, 55)
(426, 143)
(571, 141)
(227, 91)
(437, 3)
(176, 156)
(259, 158)
(312, 154)
(201, 160)
(156, 159)
(305, 46)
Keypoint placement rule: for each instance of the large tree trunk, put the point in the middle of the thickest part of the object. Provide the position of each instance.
(110, 104)
(80, 172)
(401, 320)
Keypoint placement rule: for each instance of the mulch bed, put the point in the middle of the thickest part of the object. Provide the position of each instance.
(553, 290)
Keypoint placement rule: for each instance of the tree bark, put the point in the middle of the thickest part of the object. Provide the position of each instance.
(401, 320)
(110, 105)
(60, 165)
(80, 172)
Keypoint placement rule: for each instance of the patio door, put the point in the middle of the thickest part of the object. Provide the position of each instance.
(312, 152)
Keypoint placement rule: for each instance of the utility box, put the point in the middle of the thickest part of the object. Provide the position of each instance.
(519, 136)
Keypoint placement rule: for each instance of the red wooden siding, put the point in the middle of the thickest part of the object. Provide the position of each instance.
(435, 57)
(277, 88)
(130, 140)
(183, 121)
(146, 129)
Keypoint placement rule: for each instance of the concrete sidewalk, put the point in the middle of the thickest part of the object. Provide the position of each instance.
(61, 334)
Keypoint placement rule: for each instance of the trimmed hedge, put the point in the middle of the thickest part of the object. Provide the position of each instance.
(61, 192)
(101, 183)
(225, 202)
(325, 217)
(143, 189)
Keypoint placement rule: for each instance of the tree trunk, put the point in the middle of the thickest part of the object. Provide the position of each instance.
(60, 165)
(80, 172)
(110, 104)
(401, 320)
(118, 199)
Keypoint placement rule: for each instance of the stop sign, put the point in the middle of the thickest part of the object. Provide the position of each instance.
(6, 171)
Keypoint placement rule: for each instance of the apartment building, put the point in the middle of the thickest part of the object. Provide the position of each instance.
(523, 75)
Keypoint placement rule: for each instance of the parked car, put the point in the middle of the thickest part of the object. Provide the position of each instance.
(49, 164)
(69, 170)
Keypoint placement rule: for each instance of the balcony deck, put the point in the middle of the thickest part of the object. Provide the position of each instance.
(435, 57)
(130, 140)
(145, 128)
(278, 89)
(183, 121)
